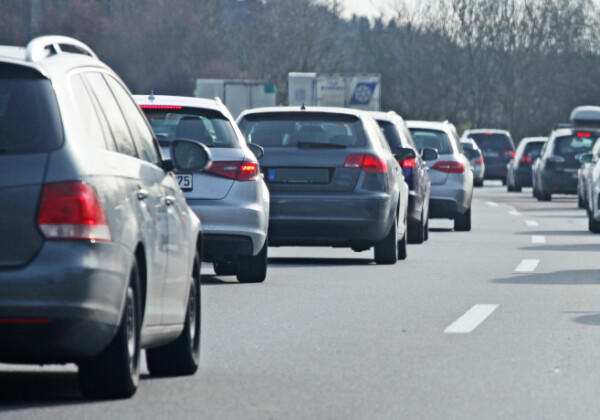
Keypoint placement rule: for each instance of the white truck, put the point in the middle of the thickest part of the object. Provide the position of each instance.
(238, 95)
(360, 91)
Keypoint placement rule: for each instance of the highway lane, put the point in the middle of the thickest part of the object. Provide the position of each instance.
(492, 323)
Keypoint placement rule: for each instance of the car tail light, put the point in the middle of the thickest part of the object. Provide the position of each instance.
(368, 163)
(449, 167)
(479, 161)
(509, 153)
(239, 171)
(72, 210)
(409, 163)
(581, 134)
(555, 159)
(525, 160)
(160, 107)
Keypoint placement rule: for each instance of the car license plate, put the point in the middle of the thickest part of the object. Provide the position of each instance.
(491, 154)
(186, 181)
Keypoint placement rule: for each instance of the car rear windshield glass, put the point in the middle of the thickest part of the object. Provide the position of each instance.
(29, 115)
(208, 127)
(391, 134)
(493, 142)
(572, 145)
(434, 139)
(293, 130)
(533, 149)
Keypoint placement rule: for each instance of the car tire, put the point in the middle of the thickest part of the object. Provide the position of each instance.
(182, 356)
(503, 181)
(115, 372)
(517, 188)
(593, 225)
(254, 269)
(509, 188)
(386, 250)
(416, 231)
(580, 202)
(478, 183)
(426, 230)
(544, 196)
(402, 251)
(225, 268)
(462, 222)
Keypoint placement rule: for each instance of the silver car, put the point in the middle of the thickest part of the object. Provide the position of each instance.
(475, 156)
(231, 196)
(99, 252)
(450, 174)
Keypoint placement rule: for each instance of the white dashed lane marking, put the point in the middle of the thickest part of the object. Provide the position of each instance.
(538, 239)
(531, 223)
(514, 213)
(471, 319)
(491, 204)
(527, 266)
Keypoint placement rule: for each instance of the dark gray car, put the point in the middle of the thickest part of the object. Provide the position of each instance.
(333, 180)
(99, 253)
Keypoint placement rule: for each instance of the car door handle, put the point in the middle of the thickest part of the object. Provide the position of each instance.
(169, 200)
(141, 194)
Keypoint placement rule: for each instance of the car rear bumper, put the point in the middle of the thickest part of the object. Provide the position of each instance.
(450, 200)
(329, 219)
(523, 176)
(495, 170)
(559, 182)
(65, 305)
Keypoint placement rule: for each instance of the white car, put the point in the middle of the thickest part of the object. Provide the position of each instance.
(230, 197)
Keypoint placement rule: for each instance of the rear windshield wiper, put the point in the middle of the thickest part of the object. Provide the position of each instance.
(319, 145)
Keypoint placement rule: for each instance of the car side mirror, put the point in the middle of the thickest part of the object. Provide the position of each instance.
(404, 153)
(258, 151)
(429, 153)
(188, 155)
(586, 158)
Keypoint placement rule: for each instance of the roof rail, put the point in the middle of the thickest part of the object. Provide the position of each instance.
(44, 46)
(563, 125)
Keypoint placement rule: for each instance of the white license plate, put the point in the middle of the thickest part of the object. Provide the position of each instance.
(491, 154)
(186, 181)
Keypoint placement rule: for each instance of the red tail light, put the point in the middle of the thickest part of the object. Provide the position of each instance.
(580, 134)
(509, 153)
(409, 163)
(525, 160)
(240, 171)
(450, 167)
(160, 107)
(72, 210)
(369, 164)
(479, 161)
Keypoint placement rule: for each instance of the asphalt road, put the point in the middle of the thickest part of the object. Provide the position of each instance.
(500, 322)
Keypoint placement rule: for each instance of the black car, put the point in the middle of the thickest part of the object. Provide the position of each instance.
(333, 180)
(498, 149)
(519, 168)
(555, 171)
(416, 172)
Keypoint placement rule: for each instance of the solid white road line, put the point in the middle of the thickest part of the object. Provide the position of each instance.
(538, 239)
(527, 266)
(491, 204)
(531, 223)
(471, 319)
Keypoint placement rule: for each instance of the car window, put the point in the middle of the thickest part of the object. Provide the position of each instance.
(209, 127)
(88, 112)
(572, 145)
(493, 142)
(408, 136)
(290, 129)
(434, 139)
(533, 149)
(391, 134)
(113, 114)
(30, 120)
(142, 135)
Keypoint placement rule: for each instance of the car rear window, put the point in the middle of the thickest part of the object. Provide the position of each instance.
(493, 142)
(206, 126)
(294, 130)
(533, 149)
(572, 145)
(29, 116)
(434, 139)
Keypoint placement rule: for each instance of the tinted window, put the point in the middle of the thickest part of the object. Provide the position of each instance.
(291, 130)
(533, 149)
(30, 121)
(113, 114)
(206, 126)
(87, 112)
(432, 138)
(391, 135)
(138, 127)
(493, 142)
(572, 145)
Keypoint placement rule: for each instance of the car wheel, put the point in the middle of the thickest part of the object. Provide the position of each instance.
(503, 181)
(402, 252)
(544, 196)
(426, 230)
(182, 356)
(416, 231)
(580, 202)
(517, 188)
(386, 250)
(462, 222)
(478, 183)
(225, 268)
(254, 269)
(509, 187)
(593, 225)
(115, 372)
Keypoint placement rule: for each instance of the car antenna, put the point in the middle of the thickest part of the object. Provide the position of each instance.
(151, 97)
(303, 108)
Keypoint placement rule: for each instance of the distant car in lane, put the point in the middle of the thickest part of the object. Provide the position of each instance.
(584, 174)
(415, 169)
(497, 147)
(333, 180)
(475, 156)
(450, 174)
(230, 197)
(519, 168)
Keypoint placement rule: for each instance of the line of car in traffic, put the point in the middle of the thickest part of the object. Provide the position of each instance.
(110, 202)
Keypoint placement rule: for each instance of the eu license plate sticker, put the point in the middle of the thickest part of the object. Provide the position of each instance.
(186, 181)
